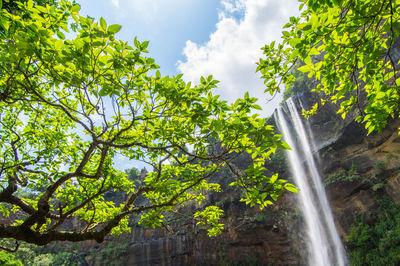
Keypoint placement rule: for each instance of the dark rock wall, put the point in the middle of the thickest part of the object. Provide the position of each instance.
(250, 236)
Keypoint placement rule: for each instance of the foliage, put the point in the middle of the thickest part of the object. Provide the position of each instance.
(8, 259)
(68, 254)
(26, 253)
(378, 243)
(347, 46)
(71, 105)
(343, 175)
(64, 259)
(210, 216)
(379, 167)
(261, 217)
(374, 179)
(12, 6)
(46, 260)
(133, 173)
(113, 253)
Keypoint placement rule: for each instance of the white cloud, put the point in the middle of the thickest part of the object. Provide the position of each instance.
(235, 46)
(115, 3)
(233, 6)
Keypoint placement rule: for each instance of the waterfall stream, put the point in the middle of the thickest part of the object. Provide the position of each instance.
(324, 244)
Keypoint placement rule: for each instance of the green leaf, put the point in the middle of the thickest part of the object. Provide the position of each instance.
(284, 145)
(102, 92)
(144, 45)
(287, 25)
(4, 23)
(307, 60)
(380, 95)
(313, 51)
(150, 61)
(114, 28)
(291, 188)
(274, 196)
(274, 178)
(136, 43)
(76, 8)
(60, 35)
(103, 23)
(257, 107)
(41, 8)
(305, 68)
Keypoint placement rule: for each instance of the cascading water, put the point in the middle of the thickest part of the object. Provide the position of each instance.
(324, 244)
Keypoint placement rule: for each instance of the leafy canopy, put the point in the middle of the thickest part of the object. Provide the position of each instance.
(348, 47)
(70, 106)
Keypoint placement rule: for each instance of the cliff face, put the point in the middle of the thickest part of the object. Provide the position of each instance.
(366, 165)
(355, 167)
(251, 236)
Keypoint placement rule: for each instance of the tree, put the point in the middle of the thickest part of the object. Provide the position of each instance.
(133, 173)
(348, 47)
(12, 5)
(71, 106)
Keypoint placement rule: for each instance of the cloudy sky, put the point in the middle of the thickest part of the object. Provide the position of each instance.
(203, 37)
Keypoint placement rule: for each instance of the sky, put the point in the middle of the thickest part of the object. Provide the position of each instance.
(222, 38)
(198, 38)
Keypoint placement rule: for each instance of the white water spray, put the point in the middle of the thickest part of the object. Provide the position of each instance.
(325, 246)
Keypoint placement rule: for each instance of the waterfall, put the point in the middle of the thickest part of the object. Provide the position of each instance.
(324, 244)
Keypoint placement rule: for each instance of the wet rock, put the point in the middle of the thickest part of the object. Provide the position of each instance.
(362, 163)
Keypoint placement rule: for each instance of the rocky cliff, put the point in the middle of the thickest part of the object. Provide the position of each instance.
(355, 167)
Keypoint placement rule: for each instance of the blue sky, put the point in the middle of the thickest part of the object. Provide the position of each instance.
(222, 38)
(203, 37)
(167, 24)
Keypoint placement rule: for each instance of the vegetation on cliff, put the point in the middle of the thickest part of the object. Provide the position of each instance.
(375, 241)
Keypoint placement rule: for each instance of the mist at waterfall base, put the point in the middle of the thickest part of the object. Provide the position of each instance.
(324, 245)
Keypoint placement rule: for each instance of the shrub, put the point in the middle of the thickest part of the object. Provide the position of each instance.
(379, 243)
(8, 259)
(343, 175)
